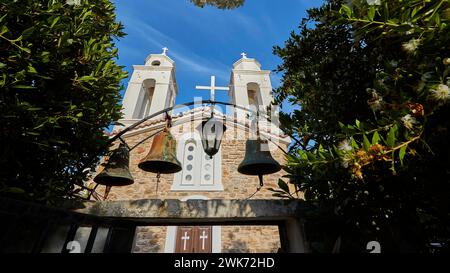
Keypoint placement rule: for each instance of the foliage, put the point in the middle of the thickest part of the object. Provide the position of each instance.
(221, 4)
(324, 72)
(59, 89)
(385, 175)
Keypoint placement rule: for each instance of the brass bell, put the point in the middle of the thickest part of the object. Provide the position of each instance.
(162, 156)
(258, 161)
(116, 171)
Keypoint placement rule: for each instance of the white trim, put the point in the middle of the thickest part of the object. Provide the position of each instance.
(249, 60)
(170, 239)
(197, 186)
(216, 239)
(172, 232)
(251, 72)
(158, 56)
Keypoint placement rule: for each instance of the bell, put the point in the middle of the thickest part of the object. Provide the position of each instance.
(162, 156)
(116, 171)
(258, 161)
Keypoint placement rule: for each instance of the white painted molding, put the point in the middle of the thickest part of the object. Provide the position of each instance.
(171, 232)
(197, 185)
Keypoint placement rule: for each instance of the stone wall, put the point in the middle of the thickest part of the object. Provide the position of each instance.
(150, 240)
(250, 239)
(234, 239)
(236, 186)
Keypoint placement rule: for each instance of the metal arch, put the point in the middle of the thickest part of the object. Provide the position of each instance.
(165, 111)
(191, 120)
(131, 127)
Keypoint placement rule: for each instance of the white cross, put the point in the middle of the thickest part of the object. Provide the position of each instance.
(185, 238)
(203, 238)
(165, 49)
(244, 55)
(213, 88)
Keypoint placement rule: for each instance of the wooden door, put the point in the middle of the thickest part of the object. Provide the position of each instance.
(194, 240)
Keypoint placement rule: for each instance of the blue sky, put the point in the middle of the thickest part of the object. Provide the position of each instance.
(206, 41)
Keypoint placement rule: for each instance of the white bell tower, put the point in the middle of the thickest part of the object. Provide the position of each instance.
(152, 88)
(250, 86)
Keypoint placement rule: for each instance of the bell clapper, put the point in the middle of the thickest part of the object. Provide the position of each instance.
(261, 180)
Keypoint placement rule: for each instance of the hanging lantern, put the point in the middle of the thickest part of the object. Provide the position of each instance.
(162, 156)
(212, 133)
(258, 161)
(116, 171)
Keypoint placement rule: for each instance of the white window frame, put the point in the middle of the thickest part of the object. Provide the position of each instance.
(197, 185)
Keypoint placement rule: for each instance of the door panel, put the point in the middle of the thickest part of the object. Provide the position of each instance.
(193, 240)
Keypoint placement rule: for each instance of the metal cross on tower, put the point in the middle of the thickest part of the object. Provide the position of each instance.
(213, 88)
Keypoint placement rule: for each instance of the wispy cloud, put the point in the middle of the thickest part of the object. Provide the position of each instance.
(186, 59)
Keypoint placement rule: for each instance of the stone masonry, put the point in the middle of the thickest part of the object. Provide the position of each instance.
(248, 239)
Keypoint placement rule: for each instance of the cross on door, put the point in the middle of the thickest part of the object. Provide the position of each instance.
(185, 239)
(203, 238)
(212, 88)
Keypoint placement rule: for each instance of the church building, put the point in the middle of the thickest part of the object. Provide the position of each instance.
(153, 88)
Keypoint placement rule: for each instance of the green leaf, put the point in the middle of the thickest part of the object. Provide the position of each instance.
(391, 137)
(413, 13)
(4, 29)
(87, 78)
(346, 10)
(34, 109)
(358, 124)
(27, 50)
(354, 144)
(21, 86)
(375, 138)
(385, 10)
(55, 20)
(437, 19)
(371, 12)
(15, 190)
(402, 154)
(283, 185)
(27, 32)
(31, 69)
(366, 142)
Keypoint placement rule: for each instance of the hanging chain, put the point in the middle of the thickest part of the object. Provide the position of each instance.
(107, 190)
(158, 176)
(258, 189)
(168, 120)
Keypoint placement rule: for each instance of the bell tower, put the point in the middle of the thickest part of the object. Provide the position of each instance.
(250, 86)
(152, 88)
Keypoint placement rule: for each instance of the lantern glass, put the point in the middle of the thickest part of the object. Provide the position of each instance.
(212, 134)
